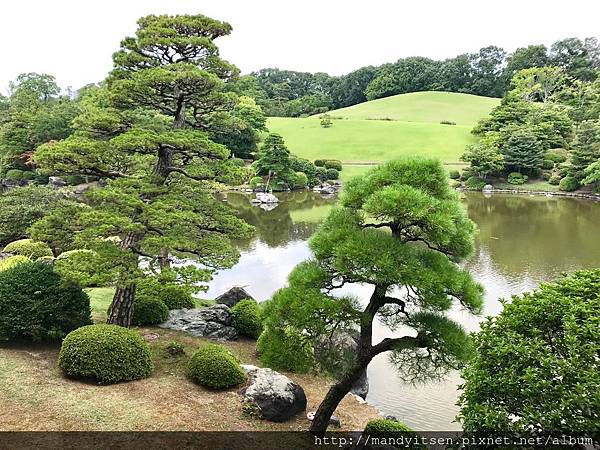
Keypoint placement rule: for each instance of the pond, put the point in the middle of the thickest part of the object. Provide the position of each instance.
(521, 242)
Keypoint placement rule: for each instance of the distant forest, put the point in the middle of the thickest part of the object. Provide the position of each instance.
(488, 72)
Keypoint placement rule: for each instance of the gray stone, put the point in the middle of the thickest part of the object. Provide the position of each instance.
(488, 188)
(233, 296)
(334, 420)
(276, 396)
(213, 322)
(57, 182)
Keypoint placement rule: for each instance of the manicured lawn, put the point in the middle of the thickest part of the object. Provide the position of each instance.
(432, 107)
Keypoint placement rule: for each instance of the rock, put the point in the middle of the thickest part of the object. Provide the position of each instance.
(333, 420)
(233, 296)
(268, 206)
(57, 182)
(276, 396)
(151, 336)
(488, 188)
(389, 417)
(213, 322)
(263, 197)
(336, 354)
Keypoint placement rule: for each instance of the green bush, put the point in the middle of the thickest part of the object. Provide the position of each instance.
(454, 174)
(41, 179)
(546, 175)
(37, 304)
(105, 353)
(332, 174)
(239, 162)
(82, 266)
(568, 184)
(301, 180)
(556, 156)
(149, 311)
(285, 349)
(333, 164)
(547, 164)
(321, 173)
(215, 367)
(174, 296)
(564, 169)
(447, 122)
(255, 182)
(247, 318)
(28, 175)
(12, 261)
(516, 178)
(14, 175)
(386, 428)
(320, 162)
(74, 180)
(29, 248)
(475, 183)
(454, 183)
(554, 180)
(175, 348)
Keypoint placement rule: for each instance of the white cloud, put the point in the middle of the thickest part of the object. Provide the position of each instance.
(74, 40)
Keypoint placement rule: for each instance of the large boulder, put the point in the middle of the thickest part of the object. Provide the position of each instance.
(335, 353)
(276, 396)
(213, 322)
(233, 296)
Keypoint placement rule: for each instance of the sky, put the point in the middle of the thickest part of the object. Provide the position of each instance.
(74, 39)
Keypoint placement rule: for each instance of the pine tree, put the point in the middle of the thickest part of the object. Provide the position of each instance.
(523, 151)
(585, 148)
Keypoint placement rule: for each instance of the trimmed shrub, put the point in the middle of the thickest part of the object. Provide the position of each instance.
(546, 175)
(332, 174)
(29, 248)
(454, 174)
(255, 182)
(320, 162)
(247, 318)
(172, 295)
(454, 183)
(14, 175)
(285, 349)
(554, 180)
(333, 164)
(28, 175)
(321, 173)
(568, 184)
(556, 156)
(149, 311)
(105, 353)
(564, 169)
(547, 164)
(12, 261)
(386, 428)
(447, 122)
(516, 178)
(238, 162)
(37, 304)
(301, 180)
(475, 183)
(82, 266)
(74, 180)
(41, 179)
(215, 367)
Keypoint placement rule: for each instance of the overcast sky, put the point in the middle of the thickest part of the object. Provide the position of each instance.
(74, 39)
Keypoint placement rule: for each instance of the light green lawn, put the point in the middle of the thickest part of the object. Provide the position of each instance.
(432, 107)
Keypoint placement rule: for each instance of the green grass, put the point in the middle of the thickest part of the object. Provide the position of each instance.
(431, 107)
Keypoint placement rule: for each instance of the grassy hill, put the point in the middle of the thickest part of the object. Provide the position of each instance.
(383, 129)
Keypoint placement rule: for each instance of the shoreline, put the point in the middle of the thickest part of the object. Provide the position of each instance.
(581, 195)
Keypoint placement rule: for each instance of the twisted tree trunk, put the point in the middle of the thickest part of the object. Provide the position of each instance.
(121, 308)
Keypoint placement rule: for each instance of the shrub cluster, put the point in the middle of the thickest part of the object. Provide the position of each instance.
(568, 184)
(247, 318)
(320, 162)
(454, 174)
(36, 304)
(332, 174)
(333, 164)
(149, 311)
(105, 353)
(14, 175)
(301, 180)
(83, 266)
(516, 178)
(556, 156)
(285, 349)
(28, 248)
(547, 164)
(255, 182)
(173, 295)
(554, 180)
(475, 183)
(215, 367)
(12, 261)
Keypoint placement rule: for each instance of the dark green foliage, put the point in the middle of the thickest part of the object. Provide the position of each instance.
(149, 311)
(547, 164)
(247, 318)
(36, 304)
(28, 175)
(523, 151)
(454, 174)
(321, 173)
(536, 367)
(274, 161)
(285, 349)
(332, 174)
(568, 184)
(475, 183)
(74, 180)
(586, 148)
(174, 296)
(106, 354)
(29, 248)
(484, 159)
(447, 122)
(516, 178)
(85, 267)
(320, 162)
(385, 428)
(333, 164)
(215, 367)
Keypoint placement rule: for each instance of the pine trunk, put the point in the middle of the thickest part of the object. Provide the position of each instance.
(121, 308)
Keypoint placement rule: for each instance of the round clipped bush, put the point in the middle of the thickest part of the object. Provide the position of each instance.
(320, 162)
(568, 184)
(37, 304)
(28, 175)
(172, 295)
(556, 156)
(516, 178)
(247, 319)
(149, 311)
(332, 174)
(12, 261)
(554, 180)
(105, 353)
(547, 164)
(454, 174)
(14, 175)
(215, 367)
(29, 248)
(386, 428)
(238, 162)
(301, 180)
(285, 349)
(546, 175)
(475, 183)
(255, 182)
(333, 164)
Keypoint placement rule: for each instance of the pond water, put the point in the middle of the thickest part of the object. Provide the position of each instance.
(521, 242)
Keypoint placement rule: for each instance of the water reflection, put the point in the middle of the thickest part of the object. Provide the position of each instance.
(521, 242)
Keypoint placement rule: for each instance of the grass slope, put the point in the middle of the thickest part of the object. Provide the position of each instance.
(431, 107)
